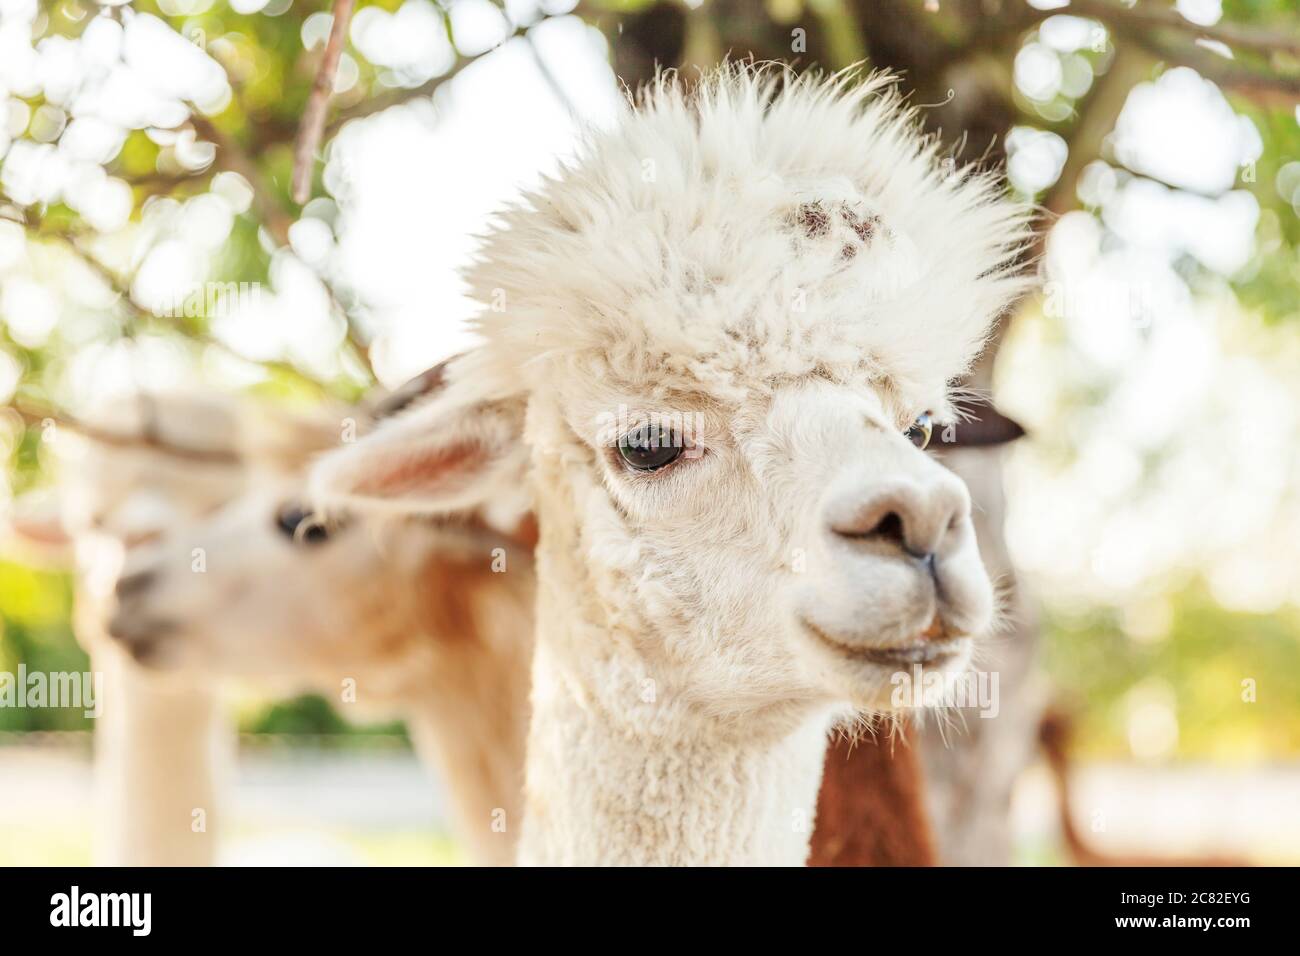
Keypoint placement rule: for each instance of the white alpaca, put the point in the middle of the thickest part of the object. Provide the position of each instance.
(162, 747)
(721, 325)
(430, 620)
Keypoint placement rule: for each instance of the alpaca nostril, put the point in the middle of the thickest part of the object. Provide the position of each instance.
(888, 528)
(916, 520)
(133, 584)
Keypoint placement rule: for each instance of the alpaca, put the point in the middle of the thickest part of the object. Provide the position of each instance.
(162, 747)
(715, 341)
(431, 620)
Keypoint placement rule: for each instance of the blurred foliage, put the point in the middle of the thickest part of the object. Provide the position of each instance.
(1199, 651)
(308, 714)
(35, 607)
(1269, 283)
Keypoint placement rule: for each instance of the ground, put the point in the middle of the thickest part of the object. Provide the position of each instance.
(328, 806)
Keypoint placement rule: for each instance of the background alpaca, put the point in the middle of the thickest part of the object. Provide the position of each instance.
(162, 746)
(408, 619)
(431, 621)
(737, 540)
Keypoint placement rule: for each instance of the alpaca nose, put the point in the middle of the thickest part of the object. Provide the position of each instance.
(923, 520)
(134, 584)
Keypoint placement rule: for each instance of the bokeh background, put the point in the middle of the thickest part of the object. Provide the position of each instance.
(1152, 515)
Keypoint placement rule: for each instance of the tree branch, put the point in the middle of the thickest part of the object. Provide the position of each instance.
(1097, 118)
(313, 117)
(232, 158)
(1142, 15)
(271, 212)
(1142, 24)
(1270, 89)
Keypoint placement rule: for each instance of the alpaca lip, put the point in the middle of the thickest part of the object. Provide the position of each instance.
(920, 652)
(140, 637)
(926, 653)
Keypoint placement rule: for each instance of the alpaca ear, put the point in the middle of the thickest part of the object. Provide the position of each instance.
(36, 522)
(983, 427)
(440, 457)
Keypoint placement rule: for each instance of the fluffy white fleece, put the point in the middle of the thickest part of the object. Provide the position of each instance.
(674, 242)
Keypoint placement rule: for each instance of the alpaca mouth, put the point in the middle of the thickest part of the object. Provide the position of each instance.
(935, 646)
(142, 638)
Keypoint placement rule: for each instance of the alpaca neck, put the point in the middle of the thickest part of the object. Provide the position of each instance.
(161, 751)
(470, 719)
(641, 787)
(480, 770)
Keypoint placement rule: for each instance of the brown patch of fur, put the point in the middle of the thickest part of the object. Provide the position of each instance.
(814, 221)
(871, 808)
(447, 608)
(864, 229)
(936, 631)
(526, 533)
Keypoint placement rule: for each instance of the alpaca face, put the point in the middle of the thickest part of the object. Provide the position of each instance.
(770, 544)
(131, 505)
(792, 544)
(262, 589)
(117, 500)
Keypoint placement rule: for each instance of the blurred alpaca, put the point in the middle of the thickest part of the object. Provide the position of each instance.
(431, 621)
(162, 746)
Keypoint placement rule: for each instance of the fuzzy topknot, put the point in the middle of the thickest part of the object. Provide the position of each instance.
(757, 227)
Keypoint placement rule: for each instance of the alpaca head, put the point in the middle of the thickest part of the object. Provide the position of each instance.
(717, 339)
(158, 460)
(258, 586)
(263, 588)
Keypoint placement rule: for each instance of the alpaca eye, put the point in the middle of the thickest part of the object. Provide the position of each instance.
(921, 429)
(649, 449)
(300, 525)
